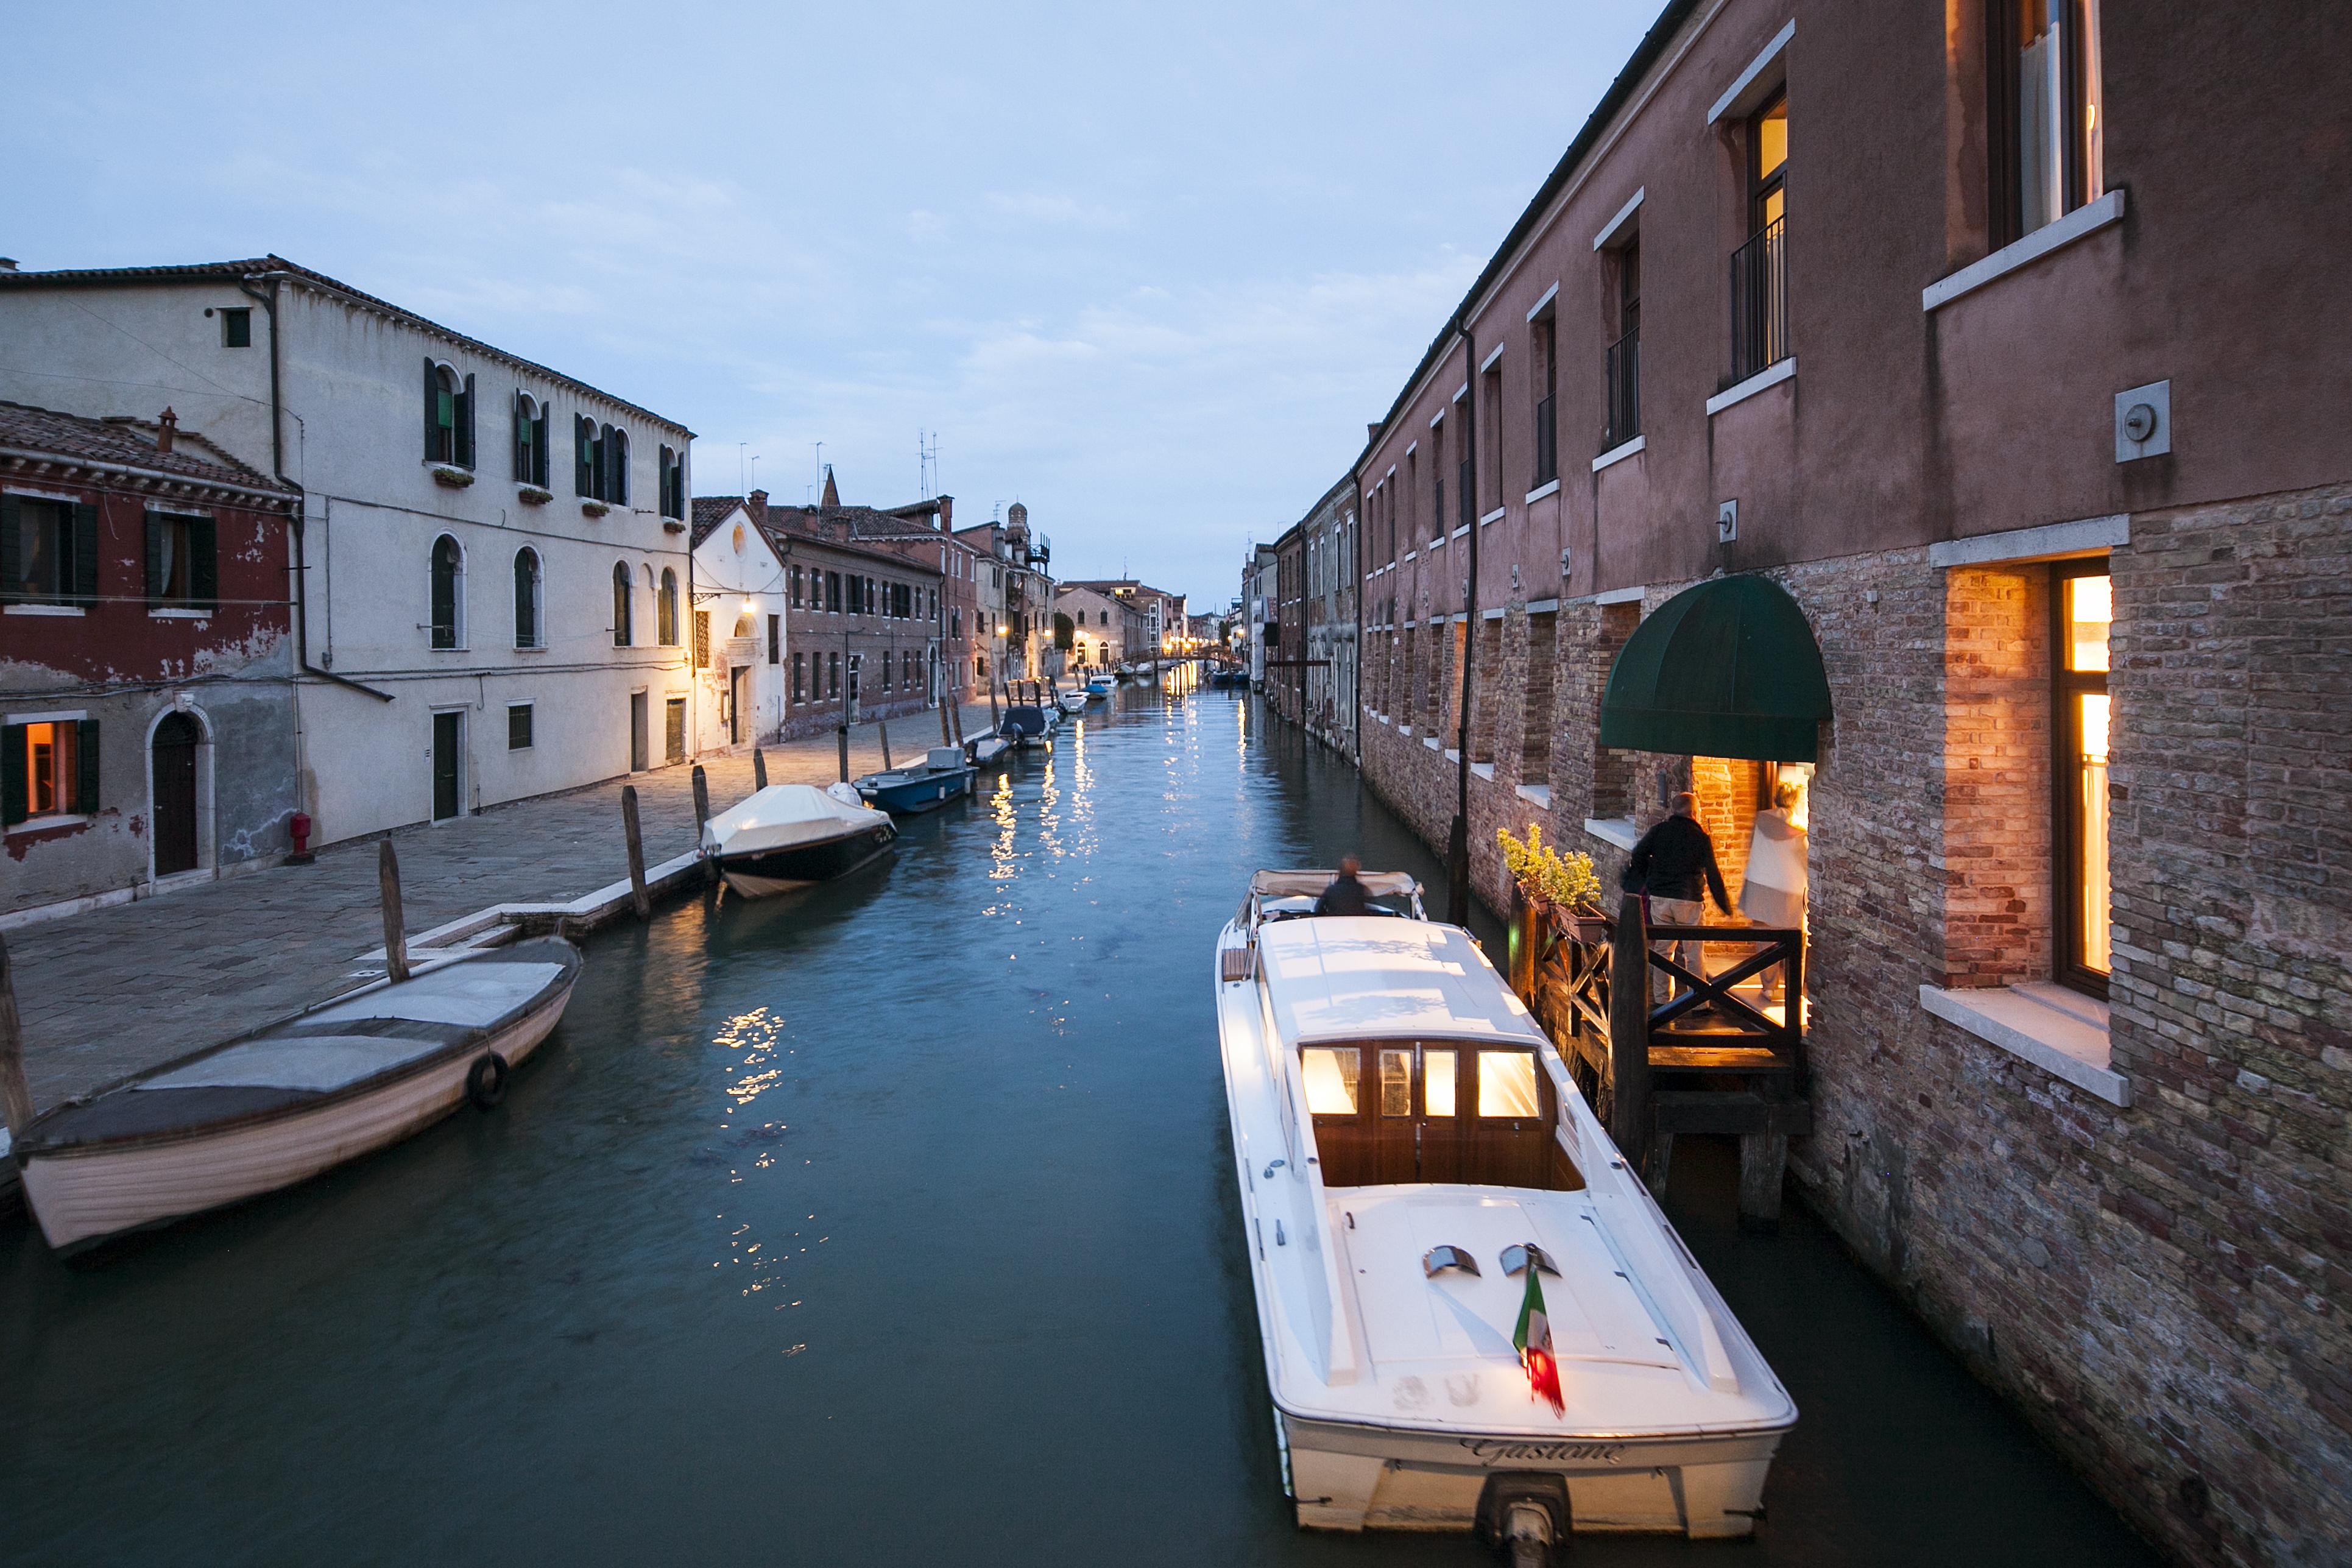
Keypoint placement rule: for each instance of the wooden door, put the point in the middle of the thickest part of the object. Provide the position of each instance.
(1336, 1100)
(1395, 1121)
(673, 727)
(175, 762)
(1441, 1067)
(735, 684)
(640, 741)
(448, 734)
(1510, 1121)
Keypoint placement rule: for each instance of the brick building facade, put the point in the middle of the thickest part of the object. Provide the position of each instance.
(2078, 858)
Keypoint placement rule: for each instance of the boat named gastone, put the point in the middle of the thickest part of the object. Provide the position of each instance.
(1409, 1146)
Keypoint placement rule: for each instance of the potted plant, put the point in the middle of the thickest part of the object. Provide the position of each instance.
(1564, 889)
(594, 509)
(456, 477)
(535, 495)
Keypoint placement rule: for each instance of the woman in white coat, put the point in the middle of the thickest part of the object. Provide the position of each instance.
(1773, 892)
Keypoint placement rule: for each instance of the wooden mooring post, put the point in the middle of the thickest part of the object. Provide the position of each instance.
(395, 928)
(759, 768)
(636, 842)
(882, 733)
(702, 819)
(1526, 929)
(840, 733)
(15, 1094)
(947, 735)
(1628, 1035)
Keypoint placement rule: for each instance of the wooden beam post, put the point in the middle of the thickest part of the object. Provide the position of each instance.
(759, 768)
(15, 1094)
(395, 928)
(702, 817)
(1628, 1034)
(636, 843)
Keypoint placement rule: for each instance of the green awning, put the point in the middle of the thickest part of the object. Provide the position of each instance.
(1728, 668)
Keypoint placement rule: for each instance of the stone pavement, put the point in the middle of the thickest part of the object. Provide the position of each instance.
(110, 992)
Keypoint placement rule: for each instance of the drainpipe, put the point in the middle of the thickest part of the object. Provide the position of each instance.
(268, 302)
(1457, 900)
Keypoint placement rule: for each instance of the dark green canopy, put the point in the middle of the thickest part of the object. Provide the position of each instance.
(1728, 668)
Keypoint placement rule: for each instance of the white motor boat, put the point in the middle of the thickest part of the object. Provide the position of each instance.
(1411, 1155)
(279, 1106)
(1074, 701)
(793, 835)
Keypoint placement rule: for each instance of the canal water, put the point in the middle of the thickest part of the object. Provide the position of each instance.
(886, 1224)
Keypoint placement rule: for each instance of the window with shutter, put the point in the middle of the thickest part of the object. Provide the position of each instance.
(461, 425)
(48, 769)
(526, 598)
(448, 569)
(182, 563)
(525, 469)
(539, 468)
(16, 767)
(621, 605)
(583, 470)
(702, 640)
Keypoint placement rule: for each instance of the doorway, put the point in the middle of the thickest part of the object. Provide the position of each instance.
(640, 739)
(1400, 1111)
(448, 738)
(174, 760)
(737, 679)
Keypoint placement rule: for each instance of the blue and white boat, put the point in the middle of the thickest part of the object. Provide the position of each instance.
(1026, 725)
(941, 776)
(1098, 688)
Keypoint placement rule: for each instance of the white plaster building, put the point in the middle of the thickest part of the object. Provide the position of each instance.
(737, 634)
(491, 570)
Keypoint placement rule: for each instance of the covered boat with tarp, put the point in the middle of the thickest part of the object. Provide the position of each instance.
(795, 835)
(279, 1105)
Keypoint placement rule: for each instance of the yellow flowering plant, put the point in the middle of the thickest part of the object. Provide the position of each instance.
(1548, 877)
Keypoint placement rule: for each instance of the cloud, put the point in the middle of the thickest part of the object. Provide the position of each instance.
(1035, 207)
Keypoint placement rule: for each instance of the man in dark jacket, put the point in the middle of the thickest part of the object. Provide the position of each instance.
(1669, 864)
(1345, 896)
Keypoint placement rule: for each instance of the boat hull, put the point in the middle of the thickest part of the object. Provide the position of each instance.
(925, 794)
(1345, 1477)
(82, 1197)
(772, 871)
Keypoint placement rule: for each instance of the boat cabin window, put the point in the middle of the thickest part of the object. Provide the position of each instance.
(1395, 1112)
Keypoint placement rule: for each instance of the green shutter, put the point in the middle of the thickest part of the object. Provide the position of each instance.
(432, 409)
(11, 551)
(465, 425)
(12, 763)
(521, 441)
(86, 768)
(155, 584)
(204, 563)
(539, 451)
(581, 429)
(85, 553)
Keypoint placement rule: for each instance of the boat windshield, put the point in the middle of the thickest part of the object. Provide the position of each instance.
(1391, 1111)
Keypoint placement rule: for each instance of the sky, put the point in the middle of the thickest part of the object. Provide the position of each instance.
(1150, 270)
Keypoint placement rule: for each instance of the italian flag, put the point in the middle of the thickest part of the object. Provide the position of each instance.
(1532, 1339)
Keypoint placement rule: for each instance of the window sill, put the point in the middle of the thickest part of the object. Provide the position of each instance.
(1772, 376)
(44, 610)
(1410, 554)
(1494, 516)
(2083, 220)
(180, 615)
(1617, 830)
(1452, 755)
(1548, 488)
(1405, 731)
(1430, 741)
(1622, 450)
(1536, 794)
(2063, 1033)
(530, 648)
(1482, 769)
(44, 824)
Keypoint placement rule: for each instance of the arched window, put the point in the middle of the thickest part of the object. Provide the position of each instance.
(621, 630)
(666, 610)
(529, 440)
(449, 417)
(448, 591)
(617, 454)
(526, 599)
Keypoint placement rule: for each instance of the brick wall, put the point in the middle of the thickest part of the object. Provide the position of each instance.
(2160, 1289)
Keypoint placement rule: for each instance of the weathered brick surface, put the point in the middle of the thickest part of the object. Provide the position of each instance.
(2161, 1288)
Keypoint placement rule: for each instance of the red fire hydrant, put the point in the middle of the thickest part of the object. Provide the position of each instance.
(300, 829)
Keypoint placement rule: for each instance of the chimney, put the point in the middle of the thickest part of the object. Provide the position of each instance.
(1371, 432)
(7, 264)
(756, 504)
(165, 428)
(947, 514)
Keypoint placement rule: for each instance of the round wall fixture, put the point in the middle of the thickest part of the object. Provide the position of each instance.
(2139, 421)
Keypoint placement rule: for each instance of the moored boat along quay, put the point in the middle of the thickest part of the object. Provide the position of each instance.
(925, 1172)
(224, 956)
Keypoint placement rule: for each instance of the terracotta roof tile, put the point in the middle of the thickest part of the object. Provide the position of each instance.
(127, 443)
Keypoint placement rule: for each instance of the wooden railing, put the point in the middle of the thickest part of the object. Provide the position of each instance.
(1730, 1066)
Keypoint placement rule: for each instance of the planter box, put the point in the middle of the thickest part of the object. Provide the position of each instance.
(532, 495)
(455, 479)
(594, 509)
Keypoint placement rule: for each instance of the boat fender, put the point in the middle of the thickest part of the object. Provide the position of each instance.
(485, 1080)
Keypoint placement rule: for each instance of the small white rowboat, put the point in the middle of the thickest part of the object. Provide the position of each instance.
(279, 1106)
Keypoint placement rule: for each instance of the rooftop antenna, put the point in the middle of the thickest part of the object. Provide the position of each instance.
(755, 474)
(741, 474)
(820, 465)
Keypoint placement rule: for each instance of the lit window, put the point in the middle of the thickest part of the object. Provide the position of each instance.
(2047, 122)
(2086, 610)
(1331, 1080)
(44, 770)
(1507, 1084)
(1437, 1082)
(1396, 1083)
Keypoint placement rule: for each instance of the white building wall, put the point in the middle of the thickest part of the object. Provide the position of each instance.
(353, 384)
(737, 568)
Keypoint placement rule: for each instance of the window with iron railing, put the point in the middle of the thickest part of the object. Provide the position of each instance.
(1465, 477)
(1546, 388)
(1625, 367)
(1759, 303)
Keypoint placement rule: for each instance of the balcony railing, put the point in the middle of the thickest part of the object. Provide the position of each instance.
(1547, 443)
(1759, 303)
(1469, 503)
(1625, 367)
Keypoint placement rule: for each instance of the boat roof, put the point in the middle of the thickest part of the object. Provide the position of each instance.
(782, 817)
(1353, 977)
(1293, 884)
